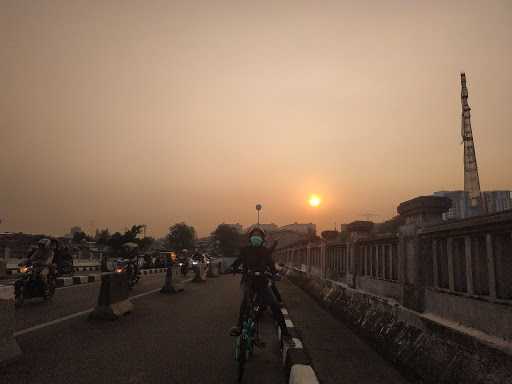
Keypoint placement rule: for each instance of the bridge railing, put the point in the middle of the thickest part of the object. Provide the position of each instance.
(460, 270)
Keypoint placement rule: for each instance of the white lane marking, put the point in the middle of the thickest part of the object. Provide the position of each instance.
(289, 323)
(73, 315)
(56, 321)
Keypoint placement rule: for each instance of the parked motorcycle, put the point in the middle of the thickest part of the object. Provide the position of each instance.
(29, 284)
(130, 268)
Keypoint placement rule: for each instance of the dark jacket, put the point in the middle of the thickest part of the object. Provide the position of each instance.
(255, 259)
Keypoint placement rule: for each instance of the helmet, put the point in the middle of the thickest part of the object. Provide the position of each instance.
(45, 243)
(256, 230)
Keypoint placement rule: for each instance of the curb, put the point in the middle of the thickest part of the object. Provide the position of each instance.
(85, 279)
(296, 361)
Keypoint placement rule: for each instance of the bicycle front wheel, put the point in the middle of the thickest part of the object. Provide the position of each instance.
(242, 358)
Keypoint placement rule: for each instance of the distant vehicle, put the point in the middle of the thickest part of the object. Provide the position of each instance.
(130, 268)
(29, 283)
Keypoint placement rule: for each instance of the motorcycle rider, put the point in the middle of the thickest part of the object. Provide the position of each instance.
(42, 259)
(257, 258)
(131, 255)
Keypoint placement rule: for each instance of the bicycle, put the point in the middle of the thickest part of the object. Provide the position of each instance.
(249, 332)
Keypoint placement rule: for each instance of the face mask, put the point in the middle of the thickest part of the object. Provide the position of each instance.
(256, 241)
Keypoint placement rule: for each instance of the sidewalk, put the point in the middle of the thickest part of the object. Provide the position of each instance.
(338, 355)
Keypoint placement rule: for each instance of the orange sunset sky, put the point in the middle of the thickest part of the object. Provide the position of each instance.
(114, 113)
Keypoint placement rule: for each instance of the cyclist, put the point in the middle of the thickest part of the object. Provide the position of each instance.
(257, 258)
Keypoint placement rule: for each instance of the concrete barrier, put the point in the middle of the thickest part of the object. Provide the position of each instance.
(302, 374)
(214, 269)
(113, 300)
(9, 348)
(173, 281)
(200, 271)
(296, 361)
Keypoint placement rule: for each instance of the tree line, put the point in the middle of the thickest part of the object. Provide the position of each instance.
(225, 240)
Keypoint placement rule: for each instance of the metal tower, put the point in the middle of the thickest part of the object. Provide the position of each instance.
(471, 179)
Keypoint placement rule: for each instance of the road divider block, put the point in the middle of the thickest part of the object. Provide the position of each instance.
(213, 269)
(9, 348)
(302, 374)
(200, 271)
(113, 300)
(64, 281)
(296, 361)
(173, 281)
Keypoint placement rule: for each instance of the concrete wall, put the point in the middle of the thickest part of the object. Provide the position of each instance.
(423, 348)
(491, 318)
(380, 287)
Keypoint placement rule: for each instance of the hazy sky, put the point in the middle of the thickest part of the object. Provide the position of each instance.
(121, 112)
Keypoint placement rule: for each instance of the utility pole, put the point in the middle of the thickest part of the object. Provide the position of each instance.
(471, 179)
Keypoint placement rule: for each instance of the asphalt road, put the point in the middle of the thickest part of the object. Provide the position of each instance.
(175, 339)
(72, 299)
(338, 355)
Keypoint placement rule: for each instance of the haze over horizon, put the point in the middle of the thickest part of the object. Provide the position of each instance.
(121, 113)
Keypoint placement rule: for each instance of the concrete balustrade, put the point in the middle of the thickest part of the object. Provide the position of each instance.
(442, 283)
(9, 348)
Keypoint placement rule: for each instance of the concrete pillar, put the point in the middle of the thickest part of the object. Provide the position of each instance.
(377, 261)
(417, 213)
(435, 265)
(308, 258)
(469, 265)
(491, 265)
(323, 260)
(451, 273)
(390, 261)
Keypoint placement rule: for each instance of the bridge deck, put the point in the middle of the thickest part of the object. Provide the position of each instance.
(173, 339)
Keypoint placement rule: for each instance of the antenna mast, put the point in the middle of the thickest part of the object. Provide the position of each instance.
(471, 179)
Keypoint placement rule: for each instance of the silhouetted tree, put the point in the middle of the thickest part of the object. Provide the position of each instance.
(181, 236)
(79, 236)
(228, 238)
(102, 237)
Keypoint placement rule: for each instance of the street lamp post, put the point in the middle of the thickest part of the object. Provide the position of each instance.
(258, 208)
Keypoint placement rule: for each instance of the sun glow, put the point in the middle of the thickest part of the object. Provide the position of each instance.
(314, 200)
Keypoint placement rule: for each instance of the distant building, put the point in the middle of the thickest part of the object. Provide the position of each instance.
(493, 201)
(300, 228)
(266, 227)
(460, 204)
(497, 201)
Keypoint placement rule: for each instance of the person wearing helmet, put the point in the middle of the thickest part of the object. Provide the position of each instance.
(257, 258)
(42, 259)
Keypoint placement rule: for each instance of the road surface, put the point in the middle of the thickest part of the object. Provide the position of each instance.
(175, 339)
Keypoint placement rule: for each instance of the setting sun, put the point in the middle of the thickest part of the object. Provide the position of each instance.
(314, 200)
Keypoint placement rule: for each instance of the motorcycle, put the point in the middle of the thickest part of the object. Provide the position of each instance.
(29, 283)
(130, 268)
(65, 268)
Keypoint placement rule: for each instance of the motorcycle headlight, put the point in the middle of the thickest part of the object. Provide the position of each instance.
(24, 269)
(195, 263)
(119, 270)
